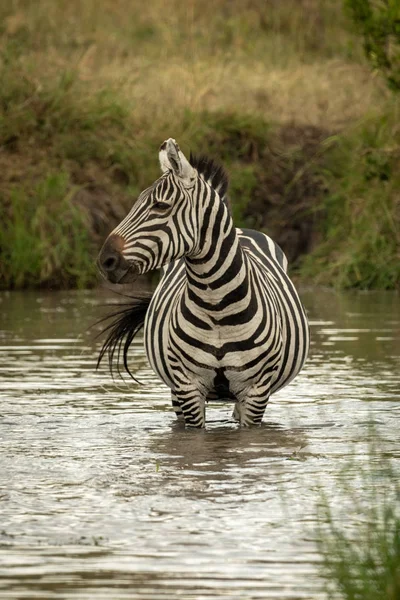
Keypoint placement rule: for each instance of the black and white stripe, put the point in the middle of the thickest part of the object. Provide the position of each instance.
(225, 321)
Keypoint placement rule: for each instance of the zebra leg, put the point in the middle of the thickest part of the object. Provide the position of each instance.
(192, 405)
(251, 410)
(236, 412)
(176, 405)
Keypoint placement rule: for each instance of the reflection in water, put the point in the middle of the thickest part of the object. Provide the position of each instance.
(102, 495)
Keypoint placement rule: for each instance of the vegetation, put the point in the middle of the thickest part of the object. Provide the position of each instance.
(361, 224)
(379, 24)
(361, 550)
(45, 241)
(274, 89)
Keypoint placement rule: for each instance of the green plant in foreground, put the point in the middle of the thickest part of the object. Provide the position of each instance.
(361, 558)
(44, 239)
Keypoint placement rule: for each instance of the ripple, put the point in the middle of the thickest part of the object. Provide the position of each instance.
(103, 495)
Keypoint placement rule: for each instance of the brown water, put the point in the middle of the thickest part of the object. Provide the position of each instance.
(103, 497)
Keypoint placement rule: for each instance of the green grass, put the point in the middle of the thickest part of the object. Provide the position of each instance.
(45, 239)
(361, 550)
(89, 90)
(58, 141)
(360, 233)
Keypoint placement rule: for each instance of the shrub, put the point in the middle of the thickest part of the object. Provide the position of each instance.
(378, 21)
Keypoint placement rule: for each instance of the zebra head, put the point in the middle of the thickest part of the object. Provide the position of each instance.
(163, 224)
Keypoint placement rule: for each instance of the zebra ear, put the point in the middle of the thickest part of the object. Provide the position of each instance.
(172, 159)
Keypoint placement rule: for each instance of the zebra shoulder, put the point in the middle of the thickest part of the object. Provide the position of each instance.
(262, 245)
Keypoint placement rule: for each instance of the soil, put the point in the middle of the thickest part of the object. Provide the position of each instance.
(287, 200)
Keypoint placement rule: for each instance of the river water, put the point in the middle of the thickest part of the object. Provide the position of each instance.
(102, 496)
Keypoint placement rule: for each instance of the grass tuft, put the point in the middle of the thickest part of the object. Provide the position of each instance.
(361, 551)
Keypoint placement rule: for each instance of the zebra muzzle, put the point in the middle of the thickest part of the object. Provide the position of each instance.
(112, 264)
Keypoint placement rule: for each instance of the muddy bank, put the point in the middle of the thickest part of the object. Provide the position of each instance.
(287, 202)
(67, 179)
(61, 194)
(283, 197)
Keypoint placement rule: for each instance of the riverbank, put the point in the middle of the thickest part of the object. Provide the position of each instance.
(282, 97)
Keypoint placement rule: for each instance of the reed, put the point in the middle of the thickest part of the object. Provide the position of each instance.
(360, 545)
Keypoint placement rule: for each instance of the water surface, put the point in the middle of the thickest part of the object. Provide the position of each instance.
(103, 496)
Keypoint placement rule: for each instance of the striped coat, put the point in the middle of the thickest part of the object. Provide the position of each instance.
(225, 322)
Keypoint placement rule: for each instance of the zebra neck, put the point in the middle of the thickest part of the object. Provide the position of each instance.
(217, 274)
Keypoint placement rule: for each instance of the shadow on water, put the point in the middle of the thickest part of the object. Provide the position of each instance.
(227, 446)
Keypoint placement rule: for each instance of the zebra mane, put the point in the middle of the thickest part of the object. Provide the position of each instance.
(213, 173)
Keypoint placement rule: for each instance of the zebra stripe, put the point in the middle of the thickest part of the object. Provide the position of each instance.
(225, 322)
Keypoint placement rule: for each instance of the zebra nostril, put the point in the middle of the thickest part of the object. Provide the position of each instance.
(110, 263)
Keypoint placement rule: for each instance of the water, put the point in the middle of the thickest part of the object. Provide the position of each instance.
(103, 496)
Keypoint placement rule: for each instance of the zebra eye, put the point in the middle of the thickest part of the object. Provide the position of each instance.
(161, 205)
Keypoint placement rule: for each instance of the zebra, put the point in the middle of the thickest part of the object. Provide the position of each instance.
(225, 322)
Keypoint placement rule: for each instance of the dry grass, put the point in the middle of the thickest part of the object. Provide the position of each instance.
(328, 94)
(282, 59)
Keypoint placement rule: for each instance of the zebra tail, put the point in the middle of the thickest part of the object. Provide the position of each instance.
(126, 323)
